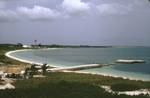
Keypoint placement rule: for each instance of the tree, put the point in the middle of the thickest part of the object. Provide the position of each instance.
(27, 73)
(33, 69)
(40, 45)
(44, 67)
(19, 44)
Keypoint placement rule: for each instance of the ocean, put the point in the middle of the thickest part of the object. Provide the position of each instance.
(79, 56)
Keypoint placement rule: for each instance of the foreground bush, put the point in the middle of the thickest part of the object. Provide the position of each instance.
(124, 87)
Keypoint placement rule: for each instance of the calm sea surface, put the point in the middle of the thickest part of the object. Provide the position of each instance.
(79, 56)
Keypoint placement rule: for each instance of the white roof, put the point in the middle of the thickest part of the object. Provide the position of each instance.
(26, 46)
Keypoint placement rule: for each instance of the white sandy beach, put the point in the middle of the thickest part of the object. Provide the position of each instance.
(131, 93)
(107, 75)
(115, 76)
(8, 54)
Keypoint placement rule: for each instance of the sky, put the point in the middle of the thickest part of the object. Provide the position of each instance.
(75, 22)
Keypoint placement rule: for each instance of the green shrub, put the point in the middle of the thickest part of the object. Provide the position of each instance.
(124, 87)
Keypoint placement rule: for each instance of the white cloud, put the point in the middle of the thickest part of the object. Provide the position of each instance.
(38, 13)
(113, 8)
(75, 7)
(69, 8)
(8, 16)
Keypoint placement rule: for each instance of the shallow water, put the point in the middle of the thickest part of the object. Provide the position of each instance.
(79, 56)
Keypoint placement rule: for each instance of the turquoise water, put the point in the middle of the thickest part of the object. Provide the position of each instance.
(79, 56)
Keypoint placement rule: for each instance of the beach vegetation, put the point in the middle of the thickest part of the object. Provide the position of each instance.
(5, 48)
(124, 87)
(44, 67)
(67, 85)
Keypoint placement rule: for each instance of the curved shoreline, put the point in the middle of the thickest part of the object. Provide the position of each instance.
(8, 54)
(114, 76)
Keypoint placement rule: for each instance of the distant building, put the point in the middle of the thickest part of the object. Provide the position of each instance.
(26, 46)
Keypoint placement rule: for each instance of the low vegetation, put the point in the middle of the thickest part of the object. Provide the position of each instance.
(5, 48)
(125, 87)
(68, 85)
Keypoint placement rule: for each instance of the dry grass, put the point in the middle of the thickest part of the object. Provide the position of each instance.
(12, 68)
